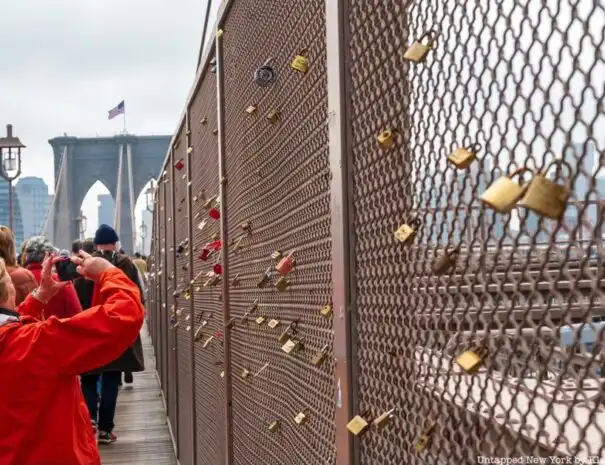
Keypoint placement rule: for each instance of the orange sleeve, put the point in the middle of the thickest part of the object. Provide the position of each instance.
(31, 307)
(71, 302)
(95, 337)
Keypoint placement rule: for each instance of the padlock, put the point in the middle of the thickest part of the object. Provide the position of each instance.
(231, 323)
(282, 284)
(251, 109)
(546, 197)
(446, 261)
(286, 264)
(235, 281)
(204, 120)
(358, 425)
(319, 357)
(265, 279)
(253, 307)
(189, 150)
(274, 426)
(176, 294)
(179, 165)
(292, 345)
(273, 116)
(187, 295)
(385, 139)
(424, 440)
(300, 62)
(180, 249)
(214, 213)
(471, 360)
(277, 255)
(208, 341)
(289, 331)
(217, 268)
(417, 51)
(245, 373)
(188, 132)
(273, 323)
(176, 325)
(204, 254)
(213, 281)
(205, 322)
(301, 418)
(215, 131)
(407, 232)
(208, 203)
(188, 328)
(503, 194)
(246, 226)
(462, 157)
(265, 75)
(326, 311)
(260, 320)
(382, 420)
(215, 237)
(222, 374)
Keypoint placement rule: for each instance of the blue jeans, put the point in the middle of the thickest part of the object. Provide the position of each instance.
(105, 410)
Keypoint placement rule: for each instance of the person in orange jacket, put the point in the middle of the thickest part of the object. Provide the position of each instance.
(43, 417)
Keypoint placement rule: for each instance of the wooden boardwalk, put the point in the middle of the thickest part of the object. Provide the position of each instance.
(143, 436)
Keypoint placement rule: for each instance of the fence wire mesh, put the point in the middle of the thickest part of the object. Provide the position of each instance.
(476, 333)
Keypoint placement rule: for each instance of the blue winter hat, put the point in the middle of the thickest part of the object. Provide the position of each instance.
(105, 235)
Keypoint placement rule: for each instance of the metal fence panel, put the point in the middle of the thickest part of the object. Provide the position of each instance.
(496, 76)
(209, 370)
(277, 178)
(183, 312)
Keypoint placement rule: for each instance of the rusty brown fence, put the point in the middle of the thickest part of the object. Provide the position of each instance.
(378, 236)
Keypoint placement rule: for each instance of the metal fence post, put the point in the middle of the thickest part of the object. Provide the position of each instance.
(342, 264)
(166, 271)
(220, 110)
(191, 275)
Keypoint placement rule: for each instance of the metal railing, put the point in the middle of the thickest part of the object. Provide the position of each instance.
(314, 132)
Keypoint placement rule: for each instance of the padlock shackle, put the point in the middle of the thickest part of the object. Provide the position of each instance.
(416, 222)
(474, 148)
(431, 35)
(303, 52)
(519, 171)
(267, 61)
(559, 163)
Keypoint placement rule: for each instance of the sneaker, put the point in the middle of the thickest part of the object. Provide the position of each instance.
(106, 438)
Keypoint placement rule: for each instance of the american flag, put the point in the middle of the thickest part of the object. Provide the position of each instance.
(117, 110)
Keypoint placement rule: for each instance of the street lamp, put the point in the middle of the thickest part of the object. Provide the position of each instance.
(143, 234)
(10, 168)
(83, 225)
(150, 197)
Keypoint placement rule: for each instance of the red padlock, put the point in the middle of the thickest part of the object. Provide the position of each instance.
(218, 335)
(215, 246)
(214, 213)
(217, 268)
(205, 254)
(179, 165)
(286, 264)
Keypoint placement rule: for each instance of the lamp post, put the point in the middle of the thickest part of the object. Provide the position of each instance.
(143, 234)
(83, 225)
(10, 168)
(150, 197)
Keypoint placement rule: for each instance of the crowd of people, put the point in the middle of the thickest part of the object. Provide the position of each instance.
(69, 338)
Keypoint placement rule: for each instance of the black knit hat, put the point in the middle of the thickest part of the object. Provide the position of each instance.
(106, 235)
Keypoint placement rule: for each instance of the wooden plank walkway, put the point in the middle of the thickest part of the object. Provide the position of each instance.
(141, 428)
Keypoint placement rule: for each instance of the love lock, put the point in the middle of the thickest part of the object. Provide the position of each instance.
(546, 197)
(265, 75)
(418, 50)
(504, 193)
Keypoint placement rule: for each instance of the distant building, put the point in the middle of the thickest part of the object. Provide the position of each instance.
(34, 201)
(5, 213)
(106, 209)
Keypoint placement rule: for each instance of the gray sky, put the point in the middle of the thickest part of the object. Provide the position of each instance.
(65, 63)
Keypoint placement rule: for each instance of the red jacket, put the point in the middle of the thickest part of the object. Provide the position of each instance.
(23, 280)
(65, 303)
(44, 420)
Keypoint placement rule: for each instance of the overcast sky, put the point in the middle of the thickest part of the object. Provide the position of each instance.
(65, 63)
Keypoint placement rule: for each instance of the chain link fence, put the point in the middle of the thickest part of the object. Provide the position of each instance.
(471, 168)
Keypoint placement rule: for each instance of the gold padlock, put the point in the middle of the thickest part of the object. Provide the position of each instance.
(407, 232)
(546, 197)
(300, 62)
(424, 440)
(292, 346)
(245, 373)
(383, 420)
(326, 311)
(471, 360)
(273, 323)
(319, 357)
(282, 284)
(204, 120)
(251, 109)
(273, 116)
(274, 426)
(418, 51)
(385, 139)
(462, 157)
(302, 417)
(503, 194)
(358, 425)
(277, 255)
(446, 261)
(260, 320)
(189, 150)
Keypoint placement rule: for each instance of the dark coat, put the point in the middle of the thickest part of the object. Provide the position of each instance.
(132, 359)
